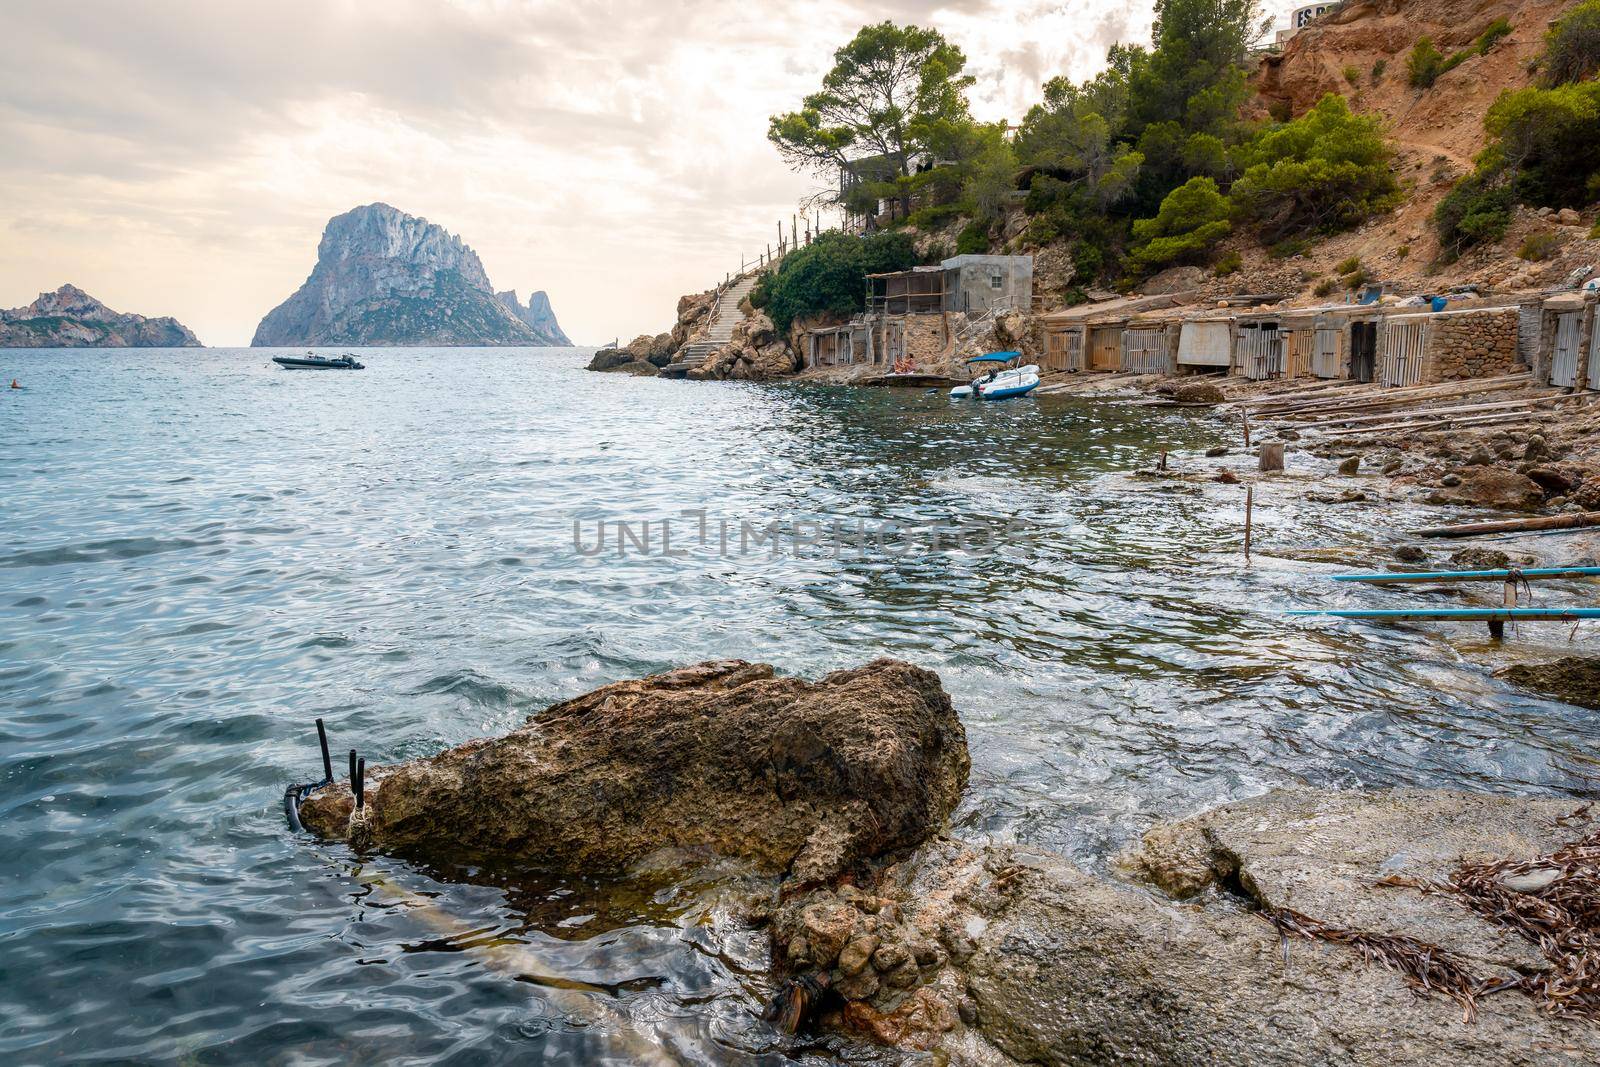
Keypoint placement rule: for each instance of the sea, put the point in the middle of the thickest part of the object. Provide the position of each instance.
(202, 554)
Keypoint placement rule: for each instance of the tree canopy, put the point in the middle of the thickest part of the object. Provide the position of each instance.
(830, 275)
(893, 91)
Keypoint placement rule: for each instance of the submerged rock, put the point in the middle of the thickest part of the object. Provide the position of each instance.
(802, 778)
(1573, 679)
(1489, 487)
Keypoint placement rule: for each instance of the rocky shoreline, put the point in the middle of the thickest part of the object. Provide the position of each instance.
(1296, 927)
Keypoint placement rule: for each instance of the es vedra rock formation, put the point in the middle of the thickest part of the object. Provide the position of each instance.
(71, 318)
(387, 278)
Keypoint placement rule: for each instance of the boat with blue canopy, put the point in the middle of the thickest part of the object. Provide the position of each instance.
(1002, 381)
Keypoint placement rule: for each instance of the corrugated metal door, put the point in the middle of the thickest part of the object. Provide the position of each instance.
(1147, 351)
(1325, 356)
(1594, 355)
(1205, 344)
(1564, 367)
(1105, 348)
(1402, 353)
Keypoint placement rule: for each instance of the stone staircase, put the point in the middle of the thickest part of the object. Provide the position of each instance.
(724, 317)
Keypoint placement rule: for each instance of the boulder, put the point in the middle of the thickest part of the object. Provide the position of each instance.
(1490, 487)
(1070, 969)
(1199, 393)
(1572, 680)
(636, 367)
(797, 777)
(984, 953)
(607, 358)
(1554, 479)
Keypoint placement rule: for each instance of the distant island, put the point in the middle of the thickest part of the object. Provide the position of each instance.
(384, 277)
(71, 318)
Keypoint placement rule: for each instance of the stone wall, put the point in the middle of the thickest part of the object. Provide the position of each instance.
(1474, 344)
(924, 337)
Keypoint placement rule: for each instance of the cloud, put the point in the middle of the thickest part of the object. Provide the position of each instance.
(177, 158)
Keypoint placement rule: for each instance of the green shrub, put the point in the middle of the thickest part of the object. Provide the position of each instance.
(1497, 31)
(1232, 263)
(1425, 64)
(1549, 141)
(1572, 47)
(1595, 233)
(1352, 75)
(1289, 248)
(1349, 266)
(1477, 210)
(1357, 281)
(1539, 247)
(1404, 251)
(1192, 218)
(1326, 287)
(933, 216)
(973, 239)
(1325, 172)
(830, 274)
(1378, 70)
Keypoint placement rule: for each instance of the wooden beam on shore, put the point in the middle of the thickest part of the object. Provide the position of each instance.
(1508, 418)
(1521, 403)
(1581, 520)
(1379, 394)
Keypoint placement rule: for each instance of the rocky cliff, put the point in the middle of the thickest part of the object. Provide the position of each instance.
(387, 278)
(538, 316)
(71, 318)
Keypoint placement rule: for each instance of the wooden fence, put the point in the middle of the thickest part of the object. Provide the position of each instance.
(1564, 365)
(1325, 352)
(1147, 350)
(1404, 346)
(1260, 352)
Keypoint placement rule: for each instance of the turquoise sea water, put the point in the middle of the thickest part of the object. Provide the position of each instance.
(200, 554)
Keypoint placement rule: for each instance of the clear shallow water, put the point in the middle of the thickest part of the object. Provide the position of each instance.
(200, 554)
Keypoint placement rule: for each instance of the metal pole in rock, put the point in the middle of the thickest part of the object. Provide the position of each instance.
(1249, 517)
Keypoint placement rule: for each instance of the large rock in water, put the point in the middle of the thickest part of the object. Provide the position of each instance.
(71, 318)
(387, 278)
(804, 778)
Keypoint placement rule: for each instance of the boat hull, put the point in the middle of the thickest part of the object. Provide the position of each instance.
(289, 363)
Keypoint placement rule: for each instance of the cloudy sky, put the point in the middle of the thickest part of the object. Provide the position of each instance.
(182, 158)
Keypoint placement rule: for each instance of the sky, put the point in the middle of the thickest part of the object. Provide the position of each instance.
(182, 158)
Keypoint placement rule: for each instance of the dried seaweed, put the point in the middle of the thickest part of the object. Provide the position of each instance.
(1424, 966)
(1554, 902)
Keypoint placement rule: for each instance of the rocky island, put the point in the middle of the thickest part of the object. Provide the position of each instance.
(539, 317)
(384, 277)
(71, 318)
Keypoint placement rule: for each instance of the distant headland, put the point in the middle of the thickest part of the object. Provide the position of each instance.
(71, 318)
(384, 277)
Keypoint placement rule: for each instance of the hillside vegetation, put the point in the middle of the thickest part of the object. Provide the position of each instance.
(1408, 140)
